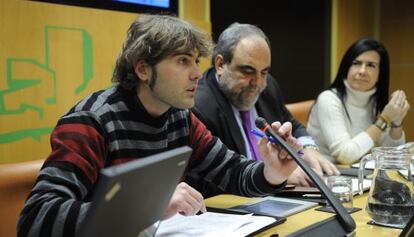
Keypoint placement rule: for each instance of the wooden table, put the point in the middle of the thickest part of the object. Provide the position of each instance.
(308, 217)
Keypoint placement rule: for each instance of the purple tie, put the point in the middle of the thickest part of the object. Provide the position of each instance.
(247, 127)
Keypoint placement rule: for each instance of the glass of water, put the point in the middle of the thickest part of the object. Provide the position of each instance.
(341, 187)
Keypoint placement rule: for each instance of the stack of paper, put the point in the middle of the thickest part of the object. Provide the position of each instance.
(212, 224)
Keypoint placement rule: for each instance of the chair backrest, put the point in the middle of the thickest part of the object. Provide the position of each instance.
(300, 110)
(16, 181)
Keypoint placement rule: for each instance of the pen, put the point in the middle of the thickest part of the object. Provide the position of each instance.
(261, 134)
(271, 139)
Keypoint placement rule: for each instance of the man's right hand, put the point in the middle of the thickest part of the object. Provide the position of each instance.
(300, 178)
(319, 163)
(186, 201)
(278, 165)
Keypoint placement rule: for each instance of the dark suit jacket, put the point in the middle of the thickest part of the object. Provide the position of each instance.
(215, 110)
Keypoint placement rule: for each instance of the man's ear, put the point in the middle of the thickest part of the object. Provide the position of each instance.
(219, 64)
(143, 70)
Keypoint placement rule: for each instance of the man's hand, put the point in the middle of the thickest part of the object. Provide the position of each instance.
(186, 201)
(300, 178)
(278, 164)
(319, 163)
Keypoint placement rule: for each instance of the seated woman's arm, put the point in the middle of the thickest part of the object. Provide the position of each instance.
(334, 130)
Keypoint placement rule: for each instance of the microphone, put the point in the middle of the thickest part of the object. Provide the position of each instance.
(345, 218)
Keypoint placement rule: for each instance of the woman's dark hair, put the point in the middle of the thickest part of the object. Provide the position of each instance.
(381, 95)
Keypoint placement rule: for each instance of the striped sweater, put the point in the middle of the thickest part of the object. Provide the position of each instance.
(111, 127)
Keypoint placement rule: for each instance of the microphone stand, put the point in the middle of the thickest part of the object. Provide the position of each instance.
(345, 219)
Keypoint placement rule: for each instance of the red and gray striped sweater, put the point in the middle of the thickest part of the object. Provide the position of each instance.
(111, 127)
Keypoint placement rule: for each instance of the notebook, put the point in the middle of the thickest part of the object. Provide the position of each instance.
(132, 196)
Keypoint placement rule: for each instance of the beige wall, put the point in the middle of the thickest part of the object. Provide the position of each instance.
(198, 13)
(51, 56)
(397, 33)
(391, 22)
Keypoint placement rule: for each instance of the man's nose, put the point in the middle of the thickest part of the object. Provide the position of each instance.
(258, 80)
(196, 73)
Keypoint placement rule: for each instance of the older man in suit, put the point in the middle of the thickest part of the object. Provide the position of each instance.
(239, 88)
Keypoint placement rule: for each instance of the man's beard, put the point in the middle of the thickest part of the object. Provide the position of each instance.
(237, 99)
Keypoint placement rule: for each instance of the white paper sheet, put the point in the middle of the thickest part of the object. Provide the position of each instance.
(370, 165)
(365, 185)
(212, 224)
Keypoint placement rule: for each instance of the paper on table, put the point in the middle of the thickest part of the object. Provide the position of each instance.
(365, 185)
(405, 172)
(370, 165)
(256, 223)
(212, 224)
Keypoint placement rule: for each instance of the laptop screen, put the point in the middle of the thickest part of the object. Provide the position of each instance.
(132, 196)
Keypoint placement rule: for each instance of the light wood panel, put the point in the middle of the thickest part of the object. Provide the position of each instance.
(355, 19)
(198, 13)
(52, 56)
(397, 34)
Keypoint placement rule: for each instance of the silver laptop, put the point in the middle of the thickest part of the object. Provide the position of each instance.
(130, 197)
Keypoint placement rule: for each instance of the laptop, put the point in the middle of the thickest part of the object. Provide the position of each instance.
(132, 196)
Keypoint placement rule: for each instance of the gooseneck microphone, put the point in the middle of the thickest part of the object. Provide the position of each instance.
(344, 217)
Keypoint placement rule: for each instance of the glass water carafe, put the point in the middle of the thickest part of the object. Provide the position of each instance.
(390, 200)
